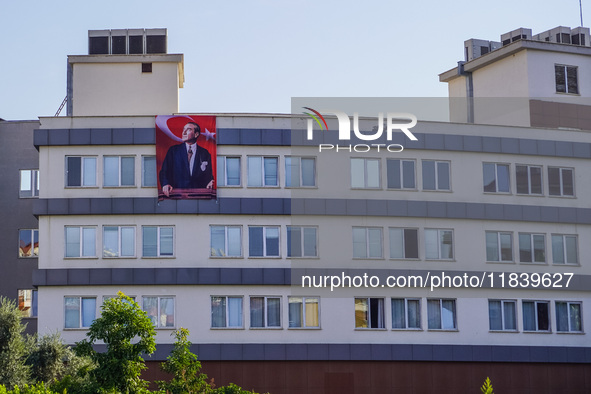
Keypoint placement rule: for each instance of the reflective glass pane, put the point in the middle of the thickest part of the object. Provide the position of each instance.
(88, 242)
(443, 176)
(393, 174)
(357, 173)
(232, 171)
(166, 241)
(255, 171)
(234, 312)
(127, 241)
(428, 175)
(72, 312)
(72, 241)
(149, 171)
(111, 171)
(127, 171)
(218, 240)
(89, 178)
(255, 241)
(270, 171)
(218, 311)
(167, 312)
(373, 173)
(149, 241)
(308, 172)
(110, 242)
(234, 241)
(88, 311)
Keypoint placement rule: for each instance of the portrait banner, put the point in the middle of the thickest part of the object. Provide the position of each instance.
(186, 152)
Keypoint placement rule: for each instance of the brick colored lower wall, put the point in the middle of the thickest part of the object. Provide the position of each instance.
(404, 377)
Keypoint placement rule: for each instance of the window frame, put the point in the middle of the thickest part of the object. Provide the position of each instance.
(262, 171)
(365, 173)
(569, 317)
(265, 254)
(502, 315)
(565, 249)
(499, 245)
(401, 174)
(81, 242)
(441, 321)
(440, 245)
(119, 171)
(369, 318)
(32, 232)
(496, 180)
(33, 183)
(436, 164)
(265, 313)
(529, 168)
(158, 242)
(404, 251)
(227, 312)
(143, 162)
(367, 243)
(82, 171)
(532, 249)
(536, 316)
(120, 242)
(303, 311)
(565, 69)
(300, 172)
(80, 312)
(406, 314)
(156, 322)
(222, 170)
(226, 242)
(561, 181)
(289, 240)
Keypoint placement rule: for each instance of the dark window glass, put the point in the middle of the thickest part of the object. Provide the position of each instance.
(118, 45)
(98, 45)
(136, 45)
(560, 79)
(74, 171)
(411, 244)
(571, 80)
(156, 44)
(146, 67)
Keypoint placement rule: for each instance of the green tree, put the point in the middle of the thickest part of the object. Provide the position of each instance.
(51, 359)
(183, 365)
(487, 387)
(14, 346)
(127, 333)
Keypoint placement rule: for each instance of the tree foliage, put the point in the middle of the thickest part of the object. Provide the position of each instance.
(14, 346)
(487, 387)
(127, 333)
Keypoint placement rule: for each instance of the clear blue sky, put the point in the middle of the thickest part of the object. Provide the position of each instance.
(253, 56)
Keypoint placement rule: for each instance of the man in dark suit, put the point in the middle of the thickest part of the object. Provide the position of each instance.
(187, 165)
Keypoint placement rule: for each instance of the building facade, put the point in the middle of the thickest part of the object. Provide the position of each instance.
(498, 214)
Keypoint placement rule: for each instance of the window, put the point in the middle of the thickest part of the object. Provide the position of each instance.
(265, 312)
(404, 243)
(501, 315)
(263, 241)
(27, 303)
(369, 312)
(441, 314)
(561, 181)
(226, 312)
(160, 310)
(529, 179)
(80, 171)
(300, 171)
(495, 177)
(436, 175)
(118, 241)
(564, 249)
(28, 243)
(29, 183)
(119, 171)
(536, 316)
(367, 242)
(80, 312)
(226, 241)
(80, 242)
(532, 248)
(301, 241)
(262, 171)
(365, 173)
(566, 79)
(157, 241)
(401, 174)
(439, 244)
(149, 178)
(499, 246)
(406, 313)
(228, 171)
(304, 312)
(568, 317)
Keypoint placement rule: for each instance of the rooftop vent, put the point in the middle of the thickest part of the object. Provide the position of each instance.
(518, 34)
(127, 41)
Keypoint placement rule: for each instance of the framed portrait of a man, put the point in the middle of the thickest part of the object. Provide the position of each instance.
(186, 156)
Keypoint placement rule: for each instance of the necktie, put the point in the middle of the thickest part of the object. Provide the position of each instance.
(189, 155)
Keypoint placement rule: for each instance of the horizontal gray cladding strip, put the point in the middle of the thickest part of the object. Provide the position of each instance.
(385, 351)
(287, 137)
(312, 206)
(161, 276)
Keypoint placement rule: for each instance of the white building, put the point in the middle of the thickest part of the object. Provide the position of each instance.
(493, 202)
